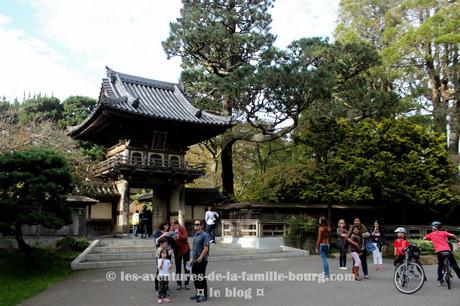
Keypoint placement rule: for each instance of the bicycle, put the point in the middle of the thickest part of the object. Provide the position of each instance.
(447, 269)
(409, 276)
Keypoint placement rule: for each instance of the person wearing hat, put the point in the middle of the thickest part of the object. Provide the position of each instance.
(440, 242)
(399, 245)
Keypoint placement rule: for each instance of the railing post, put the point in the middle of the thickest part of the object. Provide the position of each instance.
(258, 228)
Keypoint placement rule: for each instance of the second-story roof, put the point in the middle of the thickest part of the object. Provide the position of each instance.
(127, 96)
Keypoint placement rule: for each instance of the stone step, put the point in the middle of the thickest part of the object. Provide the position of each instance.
(117, 254)
(127, 242)
(123, 249)
(147, 262)
(120, 256)
(133, 252)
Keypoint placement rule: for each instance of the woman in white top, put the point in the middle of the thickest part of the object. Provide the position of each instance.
(211, 223)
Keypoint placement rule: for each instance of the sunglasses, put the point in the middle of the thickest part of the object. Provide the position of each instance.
(197, 224)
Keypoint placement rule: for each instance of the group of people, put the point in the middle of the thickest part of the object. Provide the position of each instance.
(356, 240)
(142, 222)
(359, 242)
(174, 253)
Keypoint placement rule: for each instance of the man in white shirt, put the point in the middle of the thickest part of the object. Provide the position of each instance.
(135, 222)
(211, 223)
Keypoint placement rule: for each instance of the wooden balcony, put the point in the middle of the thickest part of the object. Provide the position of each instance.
(153, 167)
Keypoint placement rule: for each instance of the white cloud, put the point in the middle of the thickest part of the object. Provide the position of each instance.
(4, 20)
(31, 66)
(75, 40)
(308, 18)
(125, 35)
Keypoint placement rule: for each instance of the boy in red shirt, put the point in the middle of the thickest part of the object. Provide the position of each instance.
(399, 245)
(440, 244)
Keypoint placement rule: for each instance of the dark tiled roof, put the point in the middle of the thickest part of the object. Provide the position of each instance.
(153, 98)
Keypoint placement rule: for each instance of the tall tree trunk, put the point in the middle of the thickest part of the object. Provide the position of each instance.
(439, 109)
(228, 190)
(22, 245)
(455, 115)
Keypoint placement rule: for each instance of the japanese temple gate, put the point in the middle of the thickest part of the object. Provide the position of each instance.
(147, 127)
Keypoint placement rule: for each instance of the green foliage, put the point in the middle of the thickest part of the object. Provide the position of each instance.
(214, 39)
(426, 246)
(281, 183)
(391, 160)
(75, 110)
(93, 151)
(299, 229)
(418, 42)
(388, 161)
(228, 58)
(33, 185)
(73, 244)
(41, 108)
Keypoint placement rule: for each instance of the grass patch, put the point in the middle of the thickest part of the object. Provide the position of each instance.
(19, 280)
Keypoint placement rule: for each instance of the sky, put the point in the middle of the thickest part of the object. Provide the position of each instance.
(61, 47)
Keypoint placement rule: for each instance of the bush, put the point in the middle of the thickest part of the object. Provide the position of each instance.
(426, 247)
(299, 229)
(70, 243)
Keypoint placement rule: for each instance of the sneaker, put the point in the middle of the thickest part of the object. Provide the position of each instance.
(166, 300)
(366, 277)
(201, 299)
(160, 301)
(343, 268)
(179, 287)
(187, 286)
(440, 283)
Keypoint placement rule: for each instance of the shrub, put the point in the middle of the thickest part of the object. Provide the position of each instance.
(70, 243)
(299, 228)
(426, 247)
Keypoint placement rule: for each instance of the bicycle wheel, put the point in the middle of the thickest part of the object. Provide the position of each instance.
(409, 278)
(447, 272)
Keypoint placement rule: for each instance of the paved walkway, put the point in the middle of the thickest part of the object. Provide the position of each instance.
(90, 287)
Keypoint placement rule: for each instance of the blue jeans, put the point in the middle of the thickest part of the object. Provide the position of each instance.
(323, 251)
(135, 227)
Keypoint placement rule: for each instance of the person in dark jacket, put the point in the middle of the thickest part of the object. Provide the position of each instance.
(145, 216)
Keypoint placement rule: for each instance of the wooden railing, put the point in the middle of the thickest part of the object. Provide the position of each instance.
(147, 164)
(252, 228)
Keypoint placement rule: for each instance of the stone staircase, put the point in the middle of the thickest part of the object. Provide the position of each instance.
(122, 252)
